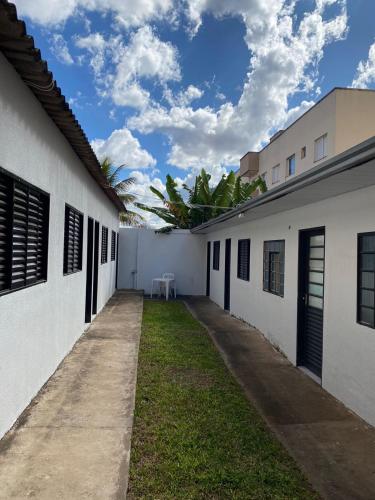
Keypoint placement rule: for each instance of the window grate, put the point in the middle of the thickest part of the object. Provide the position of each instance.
(73, 240)
(113, 246)
(216, 256)
(104, 255)
(366, 280)
(273, 267)
(243, 260)
(24, 219)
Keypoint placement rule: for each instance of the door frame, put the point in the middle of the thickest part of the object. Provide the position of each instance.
(302, 277)
(208, 270)
(89, 269)
(96, 268)
(227, 263)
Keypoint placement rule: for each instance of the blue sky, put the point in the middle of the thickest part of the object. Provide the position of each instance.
(170, 86)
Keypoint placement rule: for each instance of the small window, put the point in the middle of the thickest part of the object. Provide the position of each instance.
(303, 152)
(264, 177)
(275, 174)
(273, 267)
(24, 221)
(366, 280)
(291, 165)
(104, 258)
(73, 238)
(243, 260)
(113, 246)
(320, 148)
(216, 256)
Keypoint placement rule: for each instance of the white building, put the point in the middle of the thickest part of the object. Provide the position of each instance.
(58, 224)
(298, 263)
(337, 122)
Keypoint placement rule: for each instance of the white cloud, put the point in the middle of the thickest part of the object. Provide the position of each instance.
(60, 49)
(127, 12)
(96, 46)
(144, 57)
(123, 148)
(184, 97)
(366, 70)
(284, 59)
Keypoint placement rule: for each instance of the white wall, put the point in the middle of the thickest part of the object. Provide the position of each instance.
(40, 324)
(151, 254)
(348, 347)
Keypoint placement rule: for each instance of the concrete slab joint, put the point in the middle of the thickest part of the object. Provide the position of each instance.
(73, 441)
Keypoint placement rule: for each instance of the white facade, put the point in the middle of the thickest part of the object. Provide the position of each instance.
(348, 347)
(144, 255)
(343, 118)
(40, 324)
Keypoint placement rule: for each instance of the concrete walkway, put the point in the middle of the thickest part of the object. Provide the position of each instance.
(73, 442)
(335, 448)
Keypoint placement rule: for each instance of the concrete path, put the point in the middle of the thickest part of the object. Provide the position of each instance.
(335, 448)
(73, 442)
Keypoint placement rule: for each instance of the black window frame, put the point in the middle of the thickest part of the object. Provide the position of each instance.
(11, 229)
(216, 255)
(113, 246)
(272, 249)
(361, 288)
(70, 244)
(243, 252)
(104, 248)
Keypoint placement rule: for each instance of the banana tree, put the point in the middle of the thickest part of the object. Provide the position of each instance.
(202, 202)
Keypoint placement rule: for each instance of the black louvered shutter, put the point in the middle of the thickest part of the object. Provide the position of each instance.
(216, 256)
(104, 257)
(6, 196)
(24, 218)
(243, 260)
(29, 236)
(73, 238)
(113, 246)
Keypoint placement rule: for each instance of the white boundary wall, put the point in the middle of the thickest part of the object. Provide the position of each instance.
(144, 255)
(348, 347)
(40, 324)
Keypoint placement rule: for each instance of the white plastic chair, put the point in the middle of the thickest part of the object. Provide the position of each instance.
(172, 284)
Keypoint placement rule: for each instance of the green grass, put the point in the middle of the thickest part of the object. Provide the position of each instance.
(195, 434)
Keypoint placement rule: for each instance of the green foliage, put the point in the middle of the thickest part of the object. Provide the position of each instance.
(112, 174)
(203, 202)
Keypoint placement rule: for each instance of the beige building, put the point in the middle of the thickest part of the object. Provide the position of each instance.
(341, 119)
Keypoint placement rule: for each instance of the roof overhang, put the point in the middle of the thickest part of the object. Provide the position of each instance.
(19, 49)
(354, 169)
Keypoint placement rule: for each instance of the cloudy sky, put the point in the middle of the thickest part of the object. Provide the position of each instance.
(170, 86)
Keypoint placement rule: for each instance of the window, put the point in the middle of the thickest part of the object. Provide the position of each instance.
(273, 267)
(73, 237)
(113, 246)
(243, 260)
(366, 279)
(216, 256)
(320, 148)
(264, 177)
(291, 165)
(303, 152)
(104, 258)
(24, 220)
(275, 174)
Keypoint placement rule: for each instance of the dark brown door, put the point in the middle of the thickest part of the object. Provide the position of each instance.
(96, 270)
(208, 275)
(227, 275)
(89, 269)
(311, 300)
